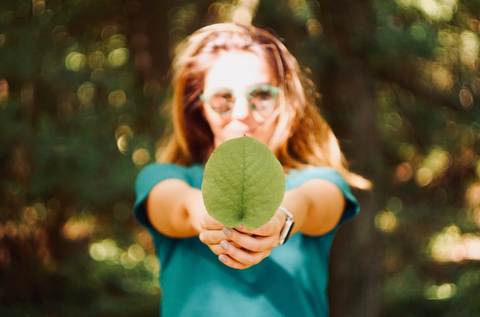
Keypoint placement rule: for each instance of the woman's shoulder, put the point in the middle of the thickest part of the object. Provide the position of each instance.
(313, 172)
(164, 165)
(170, 168)
(155, 172)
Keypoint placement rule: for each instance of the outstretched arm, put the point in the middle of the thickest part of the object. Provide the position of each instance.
(317, 206)
(175, 209)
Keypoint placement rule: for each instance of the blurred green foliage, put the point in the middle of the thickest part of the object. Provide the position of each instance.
(83, 85)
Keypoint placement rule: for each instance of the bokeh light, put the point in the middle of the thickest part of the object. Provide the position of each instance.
(469, 48)
(78, 228)
(118, 57)
(451, 245)
(117, 98)
(424, 176)
(105, 249)
(243, 12)
(440, 292)
(386, 221)
(86, 93)
(404, 172)
(4, 91)
(136, 253)
(141, 157)
(96, 59)
(123, 135)
(434, 9)
(75, 61)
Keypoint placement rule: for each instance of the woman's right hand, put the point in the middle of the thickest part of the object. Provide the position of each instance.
(241, 248)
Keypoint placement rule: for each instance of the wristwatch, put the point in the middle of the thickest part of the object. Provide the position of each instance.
(287, 228)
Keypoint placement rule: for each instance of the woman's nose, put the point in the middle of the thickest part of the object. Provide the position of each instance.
(240, 109)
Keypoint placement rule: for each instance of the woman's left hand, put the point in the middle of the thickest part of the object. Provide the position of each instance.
(241, 248)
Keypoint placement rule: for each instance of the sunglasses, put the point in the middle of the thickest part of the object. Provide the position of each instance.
(260, 98)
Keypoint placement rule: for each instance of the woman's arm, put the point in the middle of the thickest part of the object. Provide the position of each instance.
(175, 209)
(317, 206)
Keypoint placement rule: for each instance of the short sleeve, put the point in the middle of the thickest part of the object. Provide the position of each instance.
(147, 179)
(351, 208)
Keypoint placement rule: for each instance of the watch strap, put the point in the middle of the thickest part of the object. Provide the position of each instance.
(287, 228)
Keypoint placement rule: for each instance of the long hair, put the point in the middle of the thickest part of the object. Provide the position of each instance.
(301, 137)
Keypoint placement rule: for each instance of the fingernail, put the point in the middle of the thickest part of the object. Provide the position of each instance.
(227, 231)
(224, 245)
(238, 227)
(223, 258)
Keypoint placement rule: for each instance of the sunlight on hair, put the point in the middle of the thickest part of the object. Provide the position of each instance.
(244, 11)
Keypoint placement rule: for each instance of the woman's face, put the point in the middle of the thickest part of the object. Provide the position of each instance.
(236, 74)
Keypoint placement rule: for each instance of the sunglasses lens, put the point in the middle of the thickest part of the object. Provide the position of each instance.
(222, 102)
(262, 98)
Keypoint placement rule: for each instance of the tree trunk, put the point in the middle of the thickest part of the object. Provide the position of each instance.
(349, 96)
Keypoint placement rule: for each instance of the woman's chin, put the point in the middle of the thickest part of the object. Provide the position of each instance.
(239, 134)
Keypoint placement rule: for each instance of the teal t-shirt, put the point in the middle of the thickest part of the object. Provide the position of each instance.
(292, 281)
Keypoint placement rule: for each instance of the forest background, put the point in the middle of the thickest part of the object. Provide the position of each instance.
(83, 90)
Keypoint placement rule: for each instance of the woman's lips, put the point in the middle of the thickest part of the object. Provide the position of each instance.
(239, 133)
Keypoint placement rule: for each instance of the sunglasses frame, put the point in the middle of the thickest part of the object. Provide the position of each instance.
(272, 89)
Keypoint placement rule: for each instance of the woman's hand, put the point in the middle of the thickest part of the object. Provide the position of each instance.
(241, 248)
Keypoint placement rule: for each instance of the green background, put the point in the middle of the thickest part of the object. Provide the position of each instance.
(83, 90)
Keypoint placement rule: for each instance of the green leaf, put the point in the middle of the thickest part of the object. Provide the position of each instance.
(243, 183)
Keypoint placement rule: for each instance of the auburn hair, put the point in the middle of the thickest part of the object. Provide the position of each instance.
(301, 137)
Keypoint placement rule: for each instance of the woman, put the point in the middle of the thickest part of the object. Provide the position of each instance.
(231, 81)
